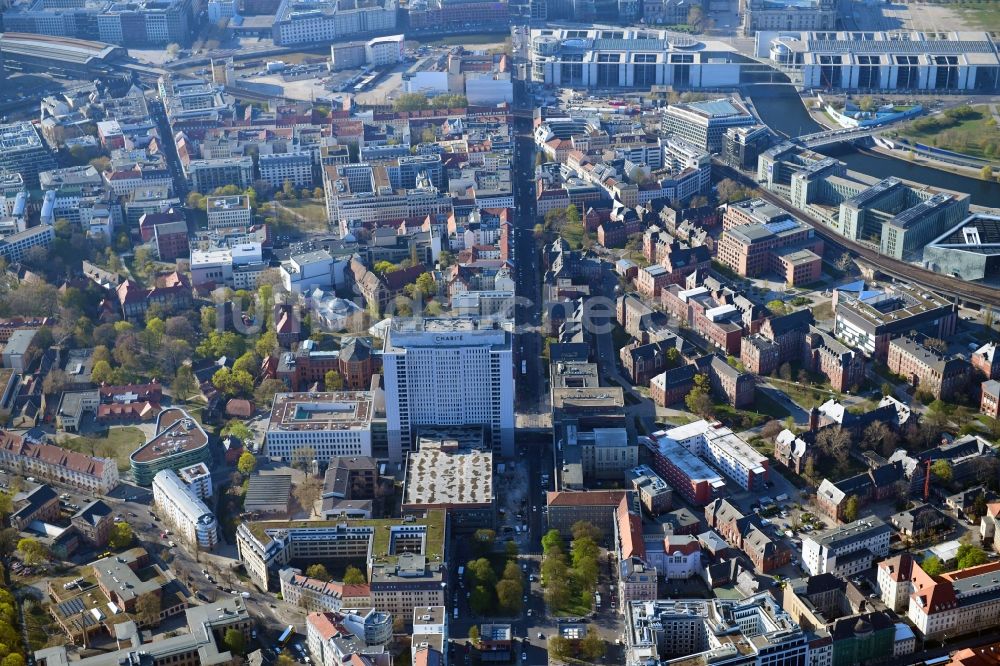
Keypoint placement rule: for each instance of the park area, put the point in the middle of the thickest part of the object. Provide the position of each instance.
(297, 216)
(970, 130)
(117, 443)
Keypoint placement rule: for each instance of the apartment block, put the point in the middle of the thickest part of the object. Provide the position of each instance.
(185, 511)
(319, 596)
(228, 211)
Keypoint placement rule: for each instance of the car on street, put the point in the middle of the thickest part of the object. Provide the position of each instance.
(524, 656)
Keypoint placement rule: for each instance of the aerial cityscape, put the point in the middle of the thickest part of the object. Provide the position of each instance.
(515, 332)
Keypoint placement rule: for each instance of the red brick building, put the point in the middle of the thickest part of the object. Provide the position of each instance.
(928, 369)
(986, 361)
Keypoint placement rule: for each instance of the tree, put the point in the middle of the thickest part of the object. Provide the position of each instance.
(333, 381)
(264, 394)
(307, 492)
(184, 384)
(410, 102)
(354, 576)
(986, 173)
(266, 344)
(148, 609)
(695, 17)
(172, 50)
(426, 285)
(969, 555)
(880, 437)
(851, 509)
(247, 463)
(699, 400)
(834, 442)
(592, 646)
(102, 373)
(584, 529)
(941, 471)
(55, 382)
(867, 103)
(249, 363)
(509, 596)
(483, 541)
(318, 571)
(237, 429)
(121, 536)
(235, 641)
(480, 572)
(559, 646)
(233, 383)
(6, 503)
(932, 565)
(32, 552)
(511, 549)
(481, 600)
(13, 659)
(557, 593)
(474, 634)
(552, 539)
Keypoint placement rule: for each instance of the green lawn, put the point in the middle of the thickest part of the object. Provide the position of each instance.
(805, 396)
(985, 14)
(765, 404)
(823, 311)
(971, 136)
(117, 443)
(298, 216)
(459, 40)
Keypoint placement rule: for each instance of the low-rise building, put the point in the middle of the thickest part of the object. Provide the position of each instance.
(54, 463)
(41, 503)
(593, 506)
(94, 522)
(319, 596)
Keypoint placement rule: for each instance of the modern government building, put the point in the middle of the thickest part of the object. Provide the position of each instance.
(899, 60)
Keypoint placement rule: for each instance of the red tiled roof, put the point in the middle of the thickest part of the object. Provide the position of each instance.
(585, 498)
(52, 455)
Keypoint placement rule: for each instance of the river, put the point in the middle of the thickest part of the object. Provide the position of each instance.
(780, 107)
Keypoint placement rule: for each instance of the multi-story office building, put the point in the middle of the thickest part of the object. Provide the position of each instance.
(326, 424)
(405, 559)
(705, 124)
(784, 245)
(612, 57)
(302, 21)
(720, 446)
(848, 549)
(320, 596)
(742, 145)
(448, 372)
(14, 247)
(970, 250)
(184, 510)
(868, 317)
(789, 15)
(278, 168)
(684, 471)
(180, 441)
(358, 194)
(143, 23)
(753, 631)
(228, 211)
(54, 463)
(358, 634)
(207, 175)
(901, 61)
(928, 369)
(22, 151)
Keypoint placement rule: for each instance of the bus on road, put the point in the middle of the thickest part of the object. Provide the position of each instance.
(286, 636)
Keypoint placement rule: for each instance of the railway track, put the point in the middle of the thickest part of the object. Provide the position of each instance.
(946, 285)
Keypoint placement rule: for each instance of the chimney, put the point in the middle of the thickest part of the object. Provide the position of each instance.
(814, 419)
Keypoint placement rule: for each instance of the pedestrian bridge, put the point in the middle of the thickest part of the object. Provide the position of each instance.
(836, 136)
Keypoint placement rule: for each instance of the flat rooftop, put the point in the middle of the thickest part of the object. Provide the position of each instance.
(176, 432)
(339, 410)
(446, 474)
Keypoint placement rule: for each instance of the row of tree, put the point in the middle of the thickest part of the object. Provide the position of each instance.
(490, 594)
(570, 578)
